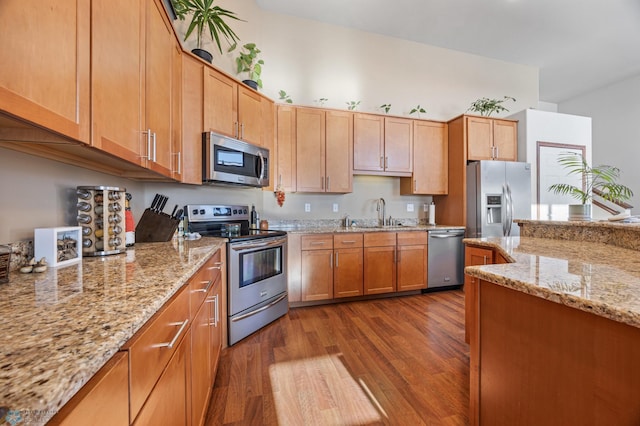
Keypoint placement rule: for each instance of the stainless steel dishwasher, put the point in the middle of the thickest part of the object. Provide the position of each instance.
(445, 258)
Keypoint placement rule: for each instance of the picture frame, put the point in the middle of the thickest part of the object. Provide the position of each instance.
(59, 246)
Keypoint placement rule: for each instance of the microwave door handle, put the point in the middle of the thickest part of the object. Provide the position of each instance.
(261, 167)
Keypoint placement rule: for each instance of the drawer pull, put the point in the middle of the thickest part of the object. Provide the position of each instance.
(317, 243)
(207, 287)
(175, 338)
(219, 267)
(348, 242)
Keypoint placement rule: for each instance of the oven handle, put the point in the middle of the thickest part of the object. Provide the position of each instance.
(250, 246)
(257, 311)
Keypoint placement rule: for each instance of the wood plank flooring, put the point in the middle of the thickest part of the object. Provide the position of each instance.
(397, 361)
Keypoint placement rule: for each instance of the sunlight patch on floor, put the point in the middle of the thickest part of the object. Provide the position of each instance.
(320, 390)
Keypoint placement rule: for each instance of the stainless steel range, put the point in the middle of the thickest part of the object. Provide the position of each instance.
(256, 266)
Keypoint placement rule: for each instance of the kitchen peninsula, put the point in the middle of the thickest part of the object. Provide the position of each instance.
(60, 327)
(555, 331)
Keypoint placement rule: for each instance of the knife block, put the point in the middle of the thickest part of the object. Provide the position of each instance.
(155, 227)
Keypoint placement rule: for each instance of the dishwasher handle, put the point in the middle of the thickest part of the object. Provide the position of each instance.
(445, 235)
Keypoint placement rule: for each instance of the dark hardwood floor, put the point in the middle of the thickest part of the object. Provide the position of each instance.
(397, 361)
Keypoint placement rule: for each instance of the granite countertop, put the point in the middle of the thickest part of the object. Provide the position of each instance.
(591, 276)
(328, 229)
(61, 326)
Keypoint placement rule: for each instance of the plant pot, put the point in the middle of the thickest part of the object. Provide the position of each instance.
(201, 53)
(579, 211)
(251, 83)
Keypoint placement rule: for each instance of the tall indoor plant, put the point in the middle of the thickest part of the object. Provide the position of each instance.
(247, 61)
(601, 178)
(206, 17)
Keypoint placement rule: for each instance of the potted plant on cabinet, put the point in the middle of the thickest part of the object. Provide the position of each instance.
(486, 106)
(206, 16)
(247, 61)
(602, 179)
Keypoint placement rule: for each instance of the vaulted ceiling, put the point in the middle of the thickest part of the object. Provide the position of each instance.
(578, 45)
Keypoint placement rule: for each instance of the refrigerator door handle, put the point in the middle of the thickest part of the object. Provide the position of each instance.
(503, 213)
(509, 210)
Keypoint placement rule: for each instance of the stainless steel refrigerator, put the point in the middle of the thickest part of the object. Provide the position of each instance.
(497, 193)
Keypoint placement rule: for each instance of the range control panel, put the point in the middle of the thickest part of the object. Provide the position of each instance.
(211, 212)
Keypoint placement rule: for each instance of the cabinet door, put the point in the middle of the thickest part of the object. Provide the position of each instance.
(479, 138)
(368, 142)
(348, 272)
(505, 140)
(339, 151)
(117, 62)
(268, 137)
(177, 169)
(473, 256)
(104, 400)
(379, 270)
(286, 151)
(167, 403)
(249, 115)
(200, 364)
(412, 267)
(317, 275)
(45, 62)
(159, 56)
(215, 326)
(430, 160)
(192, 120)
(220, 104)
(398, 144)
(310, 150)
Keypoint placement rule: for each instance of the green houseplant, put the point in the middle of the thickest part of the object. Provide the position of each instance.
(602, 179)
(206, 17)
(418, 109)
(247, 61)
(486, 106)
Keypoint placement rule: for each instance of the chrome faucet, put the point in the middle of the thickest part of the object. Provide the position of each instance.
(382, 203)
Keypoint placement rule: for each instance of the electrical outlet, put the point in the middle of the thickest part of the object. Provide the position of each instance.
(410, 207)
(335, 207)
(307, 207)
(425, 207)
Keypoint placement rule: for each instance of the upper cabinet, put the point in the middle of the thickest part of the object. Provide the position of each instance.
(430, 160)
(285, 175)
(382, 145)
(491, 139)
(45, 64)
(231, 108)
(324, 141)
(132, 78)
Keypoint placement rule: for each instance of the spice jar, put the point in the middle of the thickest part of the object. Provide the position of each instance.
(264, 225)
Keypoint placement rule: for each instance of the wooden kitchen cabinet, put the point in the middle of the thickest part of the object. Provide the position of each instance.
(268, 113)
(412, 260)
(286, 148)
(473, 256)
(231, 109)
(382, 145)
(379, 262)
(49, 86)
(104, 400)
(189, 148)
(317, 267)
(132, 78)
(491, 139)
(348, 274)
(324, 144)
(430, 160)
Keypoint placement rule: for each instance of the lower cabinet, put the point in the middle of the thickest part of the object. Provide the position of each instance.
(348, 274)
(412, 260)
(379, 262)
(317, 267)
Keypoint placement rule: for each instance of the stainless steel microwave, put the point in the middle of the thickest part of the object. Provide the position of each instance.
(230, 161)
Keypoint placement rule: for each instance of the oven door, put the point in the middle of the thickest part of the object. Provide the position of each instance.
(257, 272)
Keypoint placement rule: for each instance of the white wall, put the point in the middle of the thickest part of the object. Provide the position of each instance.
(543, 126)
(615, 111)
(308, 60)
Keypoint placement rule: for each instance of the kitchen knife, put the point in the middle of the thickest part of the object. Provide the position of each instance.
(154, 202)
(173, 213)
(178, 214)
(163, 201)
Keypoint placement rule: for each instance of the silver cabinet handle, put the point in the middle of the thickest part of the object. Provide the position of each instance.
(349, 242)
(497, 152)
(415, 185)
(337, 259)
(386, 162)
(216, 314)
(257, 311)
(328, 184)
(381, 163)
(179, 160)
(218, 266)
(148, 133)
(154, 147)
(322, 182)
(206, 288)
(317, 243)
(236, 129)
(331, 261)
(485, 259)
(242, 131)
(173, 341)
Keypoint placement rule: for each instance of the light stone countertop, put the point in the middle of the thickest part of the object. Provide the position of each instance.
(61, 326)
(328, 229)
(591, 276)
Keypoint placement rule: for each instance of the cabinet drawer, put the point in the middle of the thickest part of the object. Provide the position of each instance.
(317, 242)
(347, 240)
(152, 347)
(412, 238)
(202, 281)
(379, 239)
